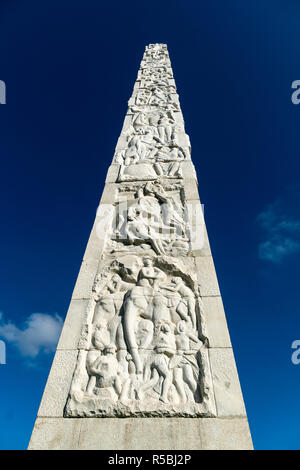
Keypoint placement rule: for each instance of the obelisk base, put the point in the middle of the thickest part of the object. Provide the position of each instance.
(141, 434)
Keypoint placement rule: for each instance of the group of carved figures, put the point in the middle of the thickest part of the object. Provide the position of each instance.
(156, 94)
(152, 146)
(153, 129)
(155, 86)
(142, 347)
(144, 339)
(155, 220)
(156, 52)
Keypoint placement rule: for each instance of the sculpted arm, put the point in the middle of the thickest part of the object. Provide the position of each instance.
(195, 339)
(171, 288)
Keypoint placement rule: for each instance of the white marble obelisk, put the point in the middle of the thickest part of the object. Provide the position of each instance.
(144, 360)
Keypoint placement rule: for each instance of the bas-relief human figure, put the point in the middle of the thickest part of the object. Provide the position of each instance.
(157, 367)
(148, 170)
(185, 367)
(142, 98)
(157, 74)
(160, 95)
(186, 306)
(154, 217)
(166, 126)
(146, 147)
(136, 148)
(157, 60)
(160, 122)
(174, 362)
(144, 220)
(158, 79)
(108, 306)
(155, 97)
(156, 52)
(137, 304)
(152, 147)
(102, 365)
(144, 333)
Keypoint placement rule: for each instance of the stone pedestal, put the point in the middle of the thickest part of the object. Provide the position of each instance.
(144, 360)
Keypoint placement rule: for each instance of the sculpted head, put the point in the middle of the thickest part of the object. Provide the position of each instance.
(165, 339)
(147, 260)
(164, 326)
(140, 193)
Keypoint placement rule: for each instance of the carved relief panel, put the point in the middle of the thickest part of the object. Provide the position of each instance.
(150, 218)
(143, 349)
(152, 144)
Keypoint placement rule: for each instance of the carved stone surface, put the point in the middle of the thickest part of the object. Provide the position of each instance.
(142, 347)
(151, 218)
(145, 338)
(150, 130)
(142, 350)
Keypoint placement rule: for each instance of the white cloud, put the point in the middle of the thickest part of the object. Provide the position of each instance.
(281, 233)
(40, 333)
(276, 250)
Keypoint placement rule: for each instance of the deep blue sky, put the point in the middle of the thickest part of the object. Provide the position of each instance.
(69, 68)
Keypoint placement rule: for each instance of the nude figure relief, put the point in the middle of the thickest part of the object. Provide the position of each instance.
(145, 353)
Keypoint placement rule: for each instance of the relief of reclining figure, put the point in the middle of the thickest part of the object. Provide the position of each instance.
(154, 218)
